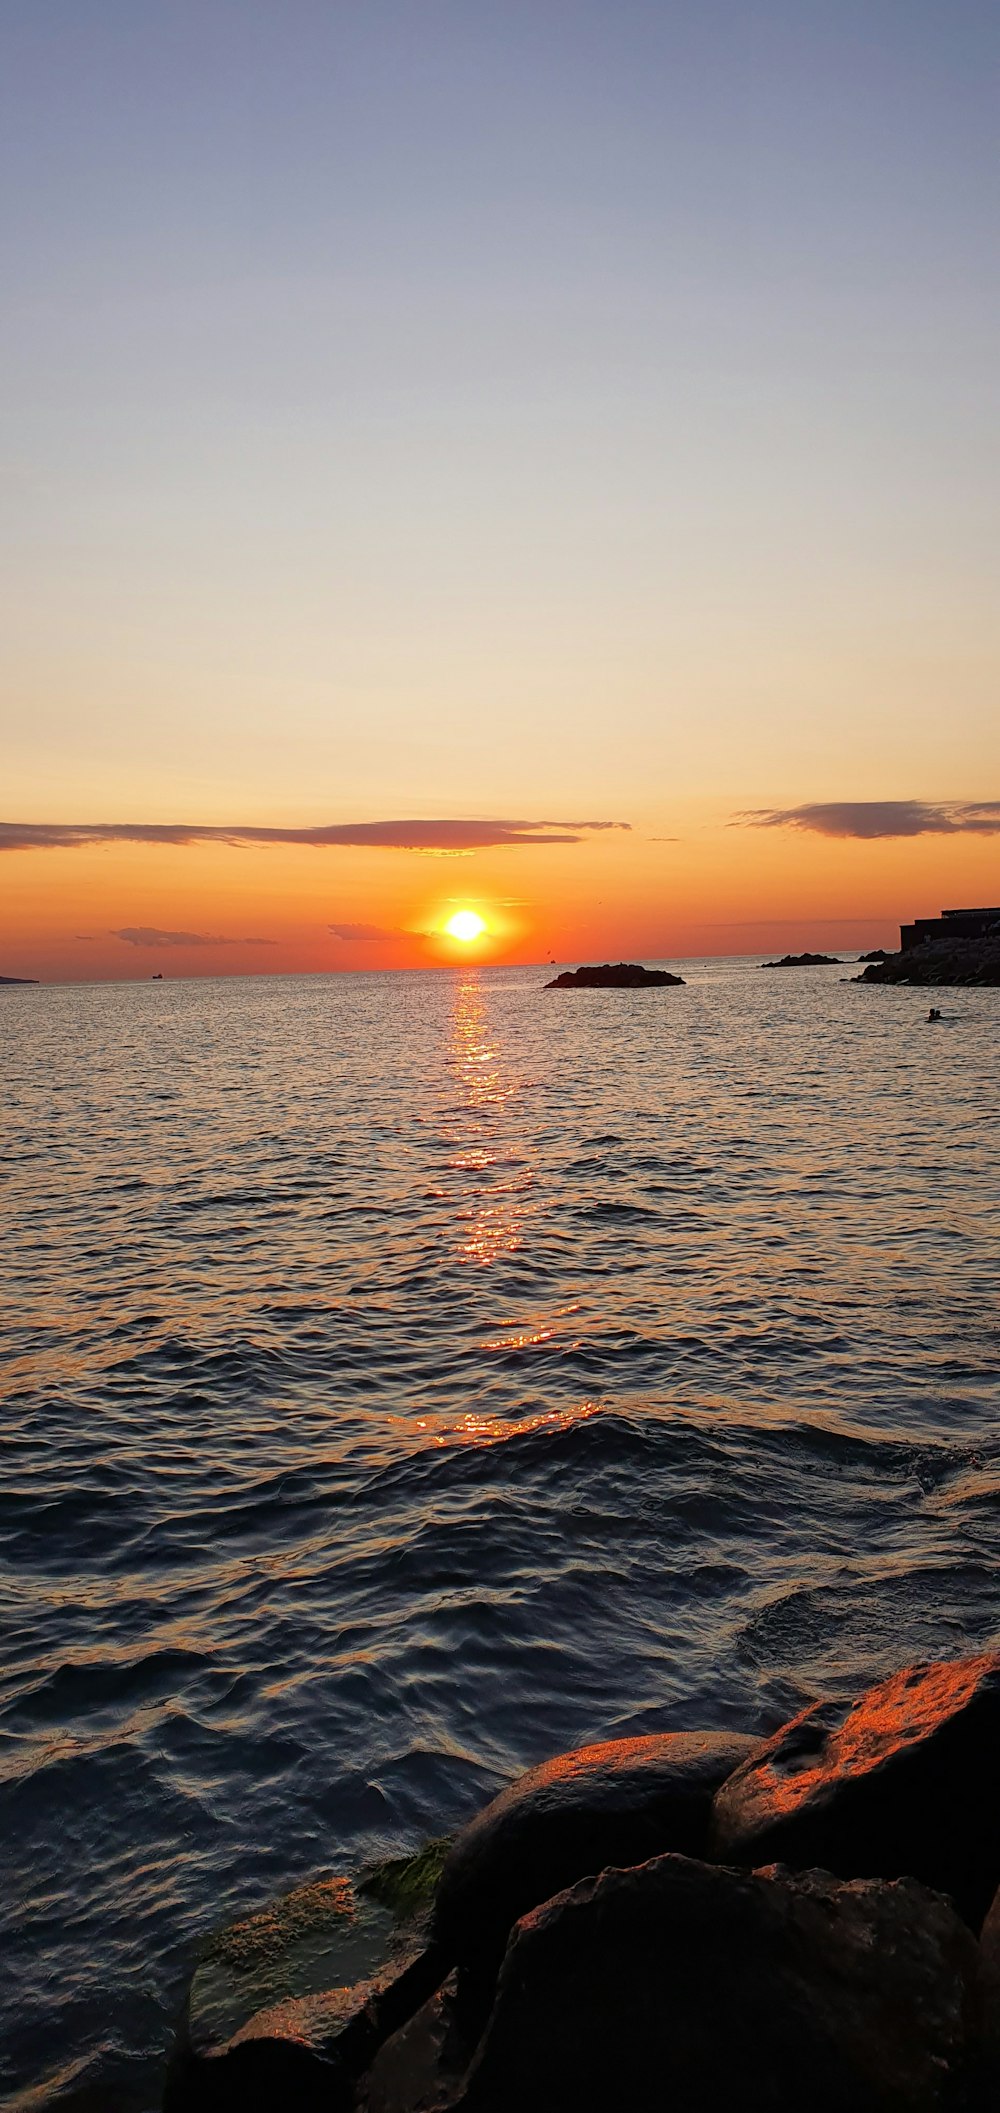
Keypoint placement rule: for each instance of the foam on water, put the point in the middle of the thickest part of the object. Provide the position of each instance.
(409, 1376)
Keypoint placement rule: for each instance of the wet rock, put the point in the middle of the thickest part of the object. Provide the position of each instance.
(612, 975)
(903, 1782)
(280, 2057)
(685, 1985)
(617, 1803)
(420, 2068)
(292, 2003)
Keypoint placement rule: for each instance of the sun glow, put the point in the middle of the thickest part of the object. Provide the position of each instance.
(466, 924)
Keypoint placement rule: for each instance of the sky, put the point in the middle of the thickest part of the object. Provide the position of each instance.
(537, 458)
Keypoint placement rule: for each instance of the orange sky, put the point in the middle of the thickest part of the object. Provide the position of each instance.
(715, 889)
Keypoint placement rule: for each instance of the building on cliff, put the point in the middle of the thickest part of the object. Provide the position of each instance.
(952, 924)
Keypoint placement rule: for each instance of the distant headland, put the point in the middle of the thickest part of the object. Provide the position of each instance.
(612, 975)
(19, 979)
(959, 947)
(804, 961)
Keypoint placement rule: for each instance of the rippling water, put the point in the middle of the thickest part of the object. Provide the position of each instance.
(407, 1376)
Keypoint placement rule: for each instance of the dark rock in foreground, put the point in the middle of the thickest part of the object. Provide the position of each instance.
(938, 963)
(804, 961)
(612, 975)
(683, 1985)
(421, 2068)
(989, 1995)
(618, 1803)
(875, 953)
(904, 1782)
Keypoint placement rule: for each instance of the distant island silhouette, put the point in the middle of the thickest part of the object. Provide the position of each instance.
(19, 979)
(612, 975)
(805, 961)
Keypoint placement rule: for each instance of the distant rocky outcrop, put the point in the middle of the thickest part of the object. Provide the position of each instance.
(612, 975)
(19, 979)
(804, 961)
(700, 1921)
(875, 953)
(941, 962)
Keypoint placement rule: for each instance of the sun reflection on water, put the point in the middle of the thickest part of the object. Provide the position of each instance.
(493, 1211)
(472, 1429)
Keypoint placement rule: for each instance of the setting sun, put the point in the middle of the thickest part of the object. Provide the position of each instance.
(466, 924)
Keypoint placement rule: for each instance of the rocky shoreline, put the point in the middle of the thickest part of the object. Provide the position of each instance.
(940, 963)
(695, 1921)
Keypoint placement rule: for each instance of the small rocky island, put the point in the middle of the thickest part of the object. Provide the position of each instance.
(612, 975)
(20, 979)
(804, 961)
(697, 1920)
(959, 947)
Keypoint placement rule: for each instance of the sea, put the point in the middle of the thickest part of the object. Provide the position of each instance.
(409, 1376)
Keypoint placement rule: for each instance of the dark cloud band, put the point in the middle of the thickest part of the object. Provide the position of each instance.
(363, 931)
(876, 818)
(151, 935)
(389, 836)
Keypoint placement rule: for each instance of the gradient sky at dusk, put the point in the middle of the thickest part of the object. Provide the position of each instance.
(541, 411)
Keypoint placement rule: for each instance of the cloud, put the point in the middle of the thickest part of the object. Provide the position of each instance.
(876, 818)
(363, 931)
(440, 836)
(151, 935)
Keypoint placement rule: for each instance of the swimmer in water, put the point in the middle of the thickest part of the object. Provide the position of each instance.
(934, 1014)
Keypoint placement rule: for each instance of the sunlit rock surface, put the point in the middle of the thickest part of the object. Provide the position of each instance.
(905, 1781)
(684, 1985)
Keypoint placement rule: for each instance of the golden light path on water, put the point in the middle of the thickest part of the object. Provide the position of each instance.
(494, 1430)
(495, 1214)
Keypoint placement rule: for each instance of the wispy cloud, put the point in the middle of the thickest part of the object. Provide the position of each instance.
(874, 818)
(446, 836)
(151, 935)
(363, 931)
